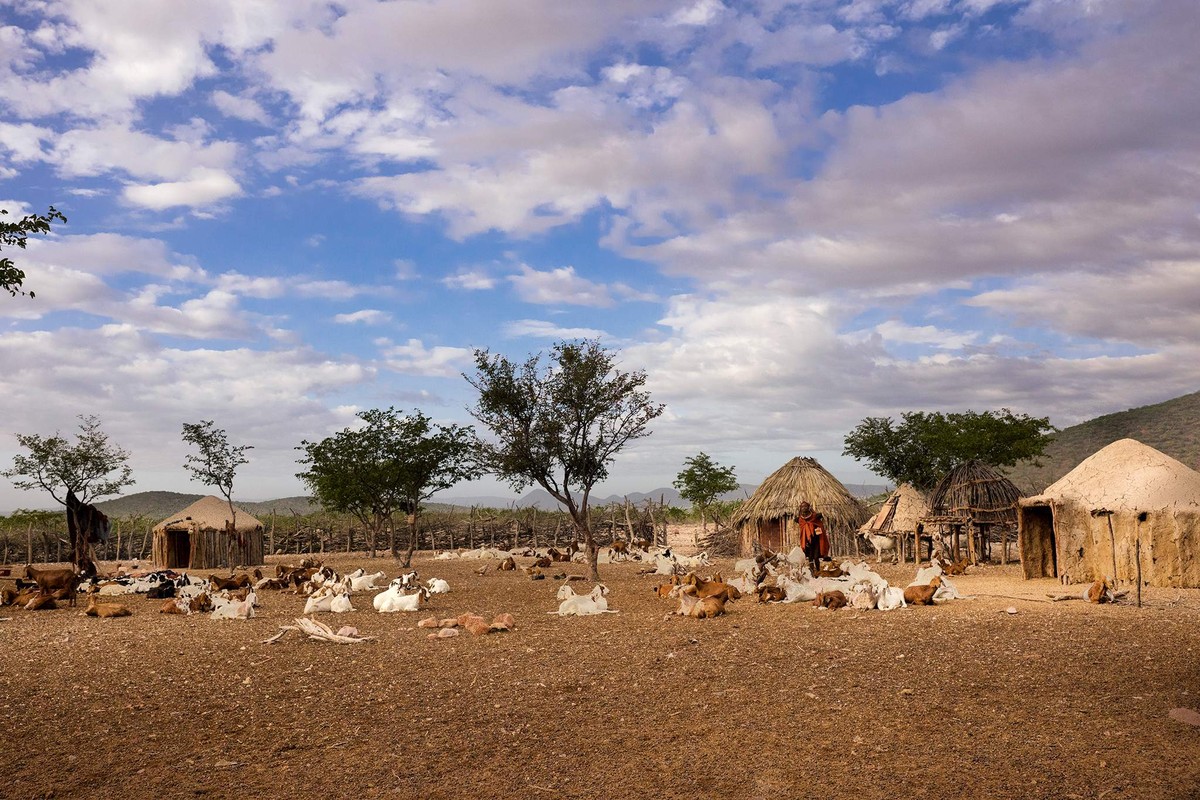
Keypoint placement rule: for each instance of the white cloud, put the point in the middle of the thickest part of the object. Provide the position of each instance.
(204, 188)
(539, 329)
(245, 108)
(902, 333)
(469, 280)
(367, 316)
(414, 358)
(559, 286)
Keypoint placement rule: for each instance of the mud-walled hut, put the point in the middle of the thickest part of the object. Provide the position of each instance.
(202, 536)
(1125, 510)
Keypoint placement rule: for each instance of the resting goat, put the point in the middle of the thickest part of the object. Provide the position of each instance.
(106, 610)
(583, 605)
(691, 604)
(394, 599)
(922, 595)
(832, 600)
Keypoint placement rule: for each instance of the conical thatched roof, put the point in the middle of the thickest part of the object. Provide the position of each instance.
(210, 512)
(976, 491)
(901, 512)
(1130, 475)
(802, 479)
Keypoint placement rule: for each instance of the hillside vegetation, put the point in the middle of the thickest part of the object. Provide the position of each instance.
(1172, 427)
(160, 505)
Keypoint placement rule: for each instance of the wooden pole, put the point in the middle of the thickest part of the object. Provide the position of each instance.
(1112, 538)
(29, 544)
(1137, 559)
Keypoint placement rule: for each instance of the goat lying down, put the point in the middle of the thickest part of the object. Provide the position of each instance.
(582, 605)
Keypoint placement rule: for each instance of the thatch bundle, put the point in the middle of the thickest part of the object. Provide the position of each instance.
(767, 518)
(977, 493)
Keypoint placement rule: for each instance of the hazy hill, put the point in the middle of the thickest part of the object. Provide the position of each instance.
(1172, 427)
(160, 505)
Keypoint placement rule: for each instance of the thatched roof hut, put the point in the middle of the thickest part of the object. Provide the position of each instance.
(1125, 509)
(202, 537)
(902, 512)
(976, 493)
(767, 518)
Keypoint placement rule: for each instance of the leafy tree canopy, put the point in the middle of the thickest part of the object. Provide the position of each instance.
(15, 234)
(924, 446)
(389, 463)
(561, 423)
(91, 467)
(218, 461)
(703, 480)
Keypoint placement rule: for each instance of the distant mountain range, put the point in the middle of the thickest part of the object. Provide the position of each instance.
(160, 505)
(1172, 427)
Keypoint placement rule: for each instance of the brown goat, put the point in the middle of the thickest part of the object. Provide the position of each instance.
(831, 600)
(50, 581)
(922, 595)
(692, 605)
(40, 601)
(231, 583)
(771, 594)
(507, 565)
(1100, 592)
(106, 610)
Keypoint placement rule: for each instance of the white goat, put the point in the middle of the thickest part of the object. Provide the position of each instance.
(891, 598)
(341, 603)
(394, 599)
(584, 605)
(224, 608)
(320, 600)
(361, 583)
(437, 586)
(882, 544)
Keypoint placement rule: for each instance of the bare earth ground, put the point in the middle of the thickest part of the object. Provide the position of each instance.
(1060, 700)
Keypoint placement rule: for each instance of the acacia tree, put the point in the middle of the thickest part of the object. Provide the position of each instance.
(216, 465)
(559, 425)
(15, 234)
(390, 463)
(701, 482)
(924, 446)
(73, 474)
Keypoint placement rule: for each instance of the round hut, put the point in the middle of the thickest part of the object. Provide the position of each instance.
(899, 518)
(1126, 512)
(973, 498)
(766, 521)
(202, 536)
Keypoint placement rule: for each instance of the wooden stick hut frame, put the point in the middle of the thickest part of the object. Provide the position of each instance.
(973, 496)
(767, 518)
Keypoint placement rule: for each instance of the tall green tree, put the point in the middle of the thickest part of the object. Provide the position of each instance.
(16, 234)
(702, 481)
(216, 465)
(924, 446)
(561, 423)
(88, 469)
(389, 464)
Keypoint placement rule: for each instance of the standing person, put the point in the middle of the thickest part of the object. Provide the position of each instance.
(813, 539)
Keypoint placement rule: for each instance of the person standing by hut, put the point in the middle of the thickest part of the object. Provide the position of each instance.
(814, 540)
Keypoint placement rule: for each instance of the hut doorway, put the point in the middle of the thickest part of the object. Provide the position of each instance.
(179, 549)
(770, 535)
(1039, 548)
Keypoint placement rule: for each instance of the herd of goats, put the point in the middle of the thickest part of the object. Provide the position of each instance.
(768, 578)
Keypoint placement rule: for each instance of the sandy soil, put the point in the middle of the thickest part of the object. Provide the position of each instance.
(1062, 700)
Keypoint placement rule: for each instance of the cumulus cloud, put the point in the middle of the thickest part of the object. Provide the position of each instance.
(367, 316)
(469, 280)
(558, 286)
(204, 188)
(414, 358)
(540, 329)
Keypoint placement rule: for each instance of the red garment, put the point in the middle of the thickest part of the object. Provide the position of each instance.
(810, 526)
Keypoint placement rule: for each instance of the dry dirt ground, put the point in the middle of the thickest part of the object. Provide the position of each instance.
(963, 700)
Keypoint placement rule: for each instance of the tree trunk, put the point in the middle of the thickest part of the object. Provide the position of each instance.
(412, 537)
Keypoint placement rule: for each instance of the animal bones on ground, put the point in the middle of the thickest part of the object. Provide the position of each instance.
(317, 630)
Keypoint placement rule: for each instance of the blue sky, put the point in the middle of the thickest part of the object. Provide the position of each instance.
(790, 215)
